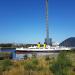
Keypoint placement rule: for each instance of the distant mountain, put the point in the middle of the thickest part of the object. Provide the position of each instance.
(70, 42)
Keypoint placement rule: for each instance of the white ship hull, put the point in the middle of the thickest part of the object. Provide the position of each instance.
(43, 49)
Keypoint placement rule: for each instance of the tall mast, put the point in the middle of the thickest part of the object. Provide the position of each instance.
(47, 27)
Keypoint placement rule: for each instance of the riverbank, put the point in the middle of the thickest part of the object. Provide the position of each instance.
(43, 65)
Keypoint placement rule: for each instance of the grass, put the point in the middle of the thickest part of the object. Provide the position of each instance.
(40, 66)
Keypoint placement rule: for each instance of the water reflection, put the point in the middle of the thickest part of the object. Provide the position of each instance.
(21, 56)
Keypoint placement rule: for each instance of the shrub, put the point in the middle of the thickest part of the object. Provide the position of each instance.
(47, 58)
(61, 66)
(25, 56)
(31, 65)
(34, 61)
(5, 64)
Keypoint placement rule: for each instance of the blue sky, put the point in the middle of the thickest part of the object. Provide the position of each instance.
(23, 21)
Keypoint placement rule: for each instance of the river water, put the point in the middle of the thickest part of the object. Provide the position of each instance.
(37, 54)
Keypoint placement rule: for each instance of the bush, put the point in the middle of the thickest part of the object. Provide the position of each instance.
(34, 61)
(31, 65)
(5, 55)
(47, 58)
(61, 66)
(1, 71)
(5, 64)
(25, 56)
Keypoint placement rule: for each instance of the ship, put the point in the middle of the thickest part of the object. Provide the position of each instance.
(48, 48)
(48, 41)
